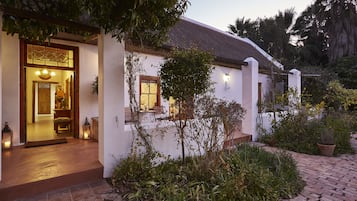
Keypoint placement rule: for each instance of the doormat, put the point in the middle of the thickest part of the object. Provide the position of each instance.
(45, 142)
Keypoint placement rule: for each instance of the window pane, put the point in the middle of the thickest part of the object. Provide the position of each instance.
(49, 56)
(145, 88)
(172, 107)
(153, 88)
(152, 101)
(144, 101)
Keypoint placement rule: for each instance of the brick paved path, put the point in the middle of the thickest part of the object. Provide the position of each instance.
(327, 178)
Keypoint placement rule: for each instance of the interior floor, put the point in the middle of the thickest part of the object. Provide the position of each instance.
(43, 129)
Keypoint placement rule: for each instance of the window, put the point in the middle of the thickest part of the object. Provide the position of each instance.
(49, 56)
(186, 107)
(149, 92)
(173, 108)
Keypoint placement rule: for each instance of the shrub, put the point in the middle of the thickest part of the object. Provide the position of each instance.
(248, 173)
(298, 133)
(339, 97)
(295, 133)
(341, 129)
(278, 175)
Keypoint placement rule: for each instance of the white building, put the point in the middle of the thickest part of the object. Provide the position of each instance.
(77, 63)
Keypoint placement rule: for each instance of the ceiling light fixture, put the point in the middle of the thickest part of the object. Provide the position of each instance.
(45, 74)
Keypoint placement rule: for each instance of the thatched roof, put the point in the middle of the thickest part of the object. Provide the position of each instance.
(226, 47)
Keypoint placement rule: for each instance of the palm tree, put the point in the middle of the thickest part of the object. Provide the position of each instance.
(245, 28)
(271, 34)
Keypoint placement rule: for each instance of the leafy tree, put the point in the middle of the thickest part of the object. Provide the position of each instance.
(346, 69)
(312, 43)
(341, 27)
(329, 27)
(138, 19)
(185, 75)
(339, 97)
(315, 86)
(327, 32)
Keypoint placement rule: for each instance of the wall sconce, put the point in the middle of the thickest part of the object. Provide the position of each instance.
(6, 137)
(226, 78)
(86, 130)
(45, 74)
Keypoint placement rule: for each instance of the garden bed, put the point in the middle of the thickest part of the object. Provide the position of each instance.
(247, 173)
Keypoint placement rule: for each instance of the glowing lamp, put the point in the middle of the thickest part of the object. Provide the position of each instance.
(6, 137)
(226, 78)
(86, 130)
(45, 74)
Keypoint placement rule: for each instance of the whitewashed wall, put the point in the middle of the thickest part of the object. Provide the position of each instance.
(88, 70)
(167, 143)
(11, 84)
(232, 90)
(88, 64)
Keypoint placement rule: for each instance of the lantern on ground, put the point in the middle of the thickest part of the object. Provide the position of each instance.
(86, 130)
(6, 137)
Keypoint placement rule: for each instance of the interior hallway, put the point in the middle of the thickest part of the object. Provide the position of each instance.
(43, 129)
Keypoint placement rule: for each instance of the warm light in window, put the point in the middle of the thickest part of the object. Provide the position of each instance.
(149, 96)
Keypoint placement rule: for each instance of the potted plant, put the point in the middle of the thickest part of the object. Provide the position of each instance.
(327, 142)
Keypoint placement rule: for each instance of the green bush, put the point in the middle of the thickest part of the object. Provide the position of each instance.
(249, 173)
(295, 133)
(340, 123)
(298, 133)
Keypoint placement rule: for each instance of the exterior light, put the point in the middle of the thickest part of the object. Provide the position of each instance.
(226, 77)
(45, 74)
(6, 137)
(86, 130)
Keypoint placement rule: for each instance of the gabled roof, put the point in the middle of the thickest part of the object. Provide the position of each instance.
(226, 47)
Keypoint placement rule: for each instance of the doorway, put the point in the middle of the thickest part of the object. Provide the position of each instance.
(48, 103)
(49, 92)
